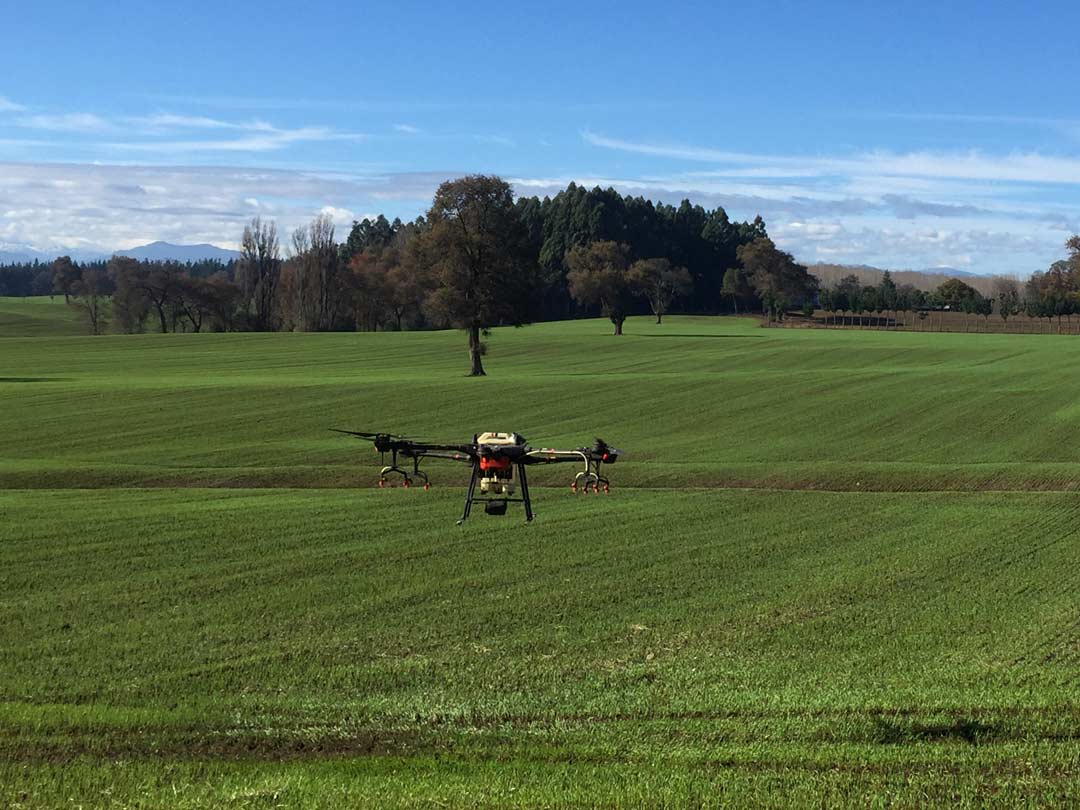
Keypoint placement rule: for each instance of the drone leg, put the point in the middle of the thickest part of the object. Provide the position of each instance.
(417, 473)
(469, 495)
(601, 482)
(525, 493)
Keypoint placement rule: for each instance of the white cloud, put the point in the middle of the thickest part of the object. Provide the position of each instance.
(67, 122)
(408, 129)
(342, 218)
(260, 141)
(1016, 167)
(171, 122)
(170, 133)
(118, 206)
(7, 105)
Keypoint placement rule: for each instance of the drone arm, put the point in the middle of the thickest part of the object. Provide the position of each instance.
(550, 456)
(458, 455)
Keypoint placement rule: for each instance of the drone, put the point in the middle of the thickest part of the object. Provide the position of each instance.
(493, 458)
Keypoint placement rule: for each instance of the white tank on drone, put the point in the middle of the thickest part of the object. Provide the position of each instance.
(498, 439)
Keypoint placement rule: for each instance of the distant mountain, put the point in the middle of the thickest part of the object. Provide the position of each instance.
(926, 280)
(952, 272)
(14, 253)
(164, 251)
(11, 253)
(13, 257)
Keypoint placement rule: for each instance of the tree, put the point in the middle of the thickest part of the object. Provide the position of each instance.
(89, 296)
(161, 286)
(1007, 297)
(827, 300)
(660, 283)
(64, 276)
(222, 300)
(141, 286)
(313, 287)
(600, 274)
(887, 294)
(774, 271)
(845, 294)
(369, 233)
(953, 292)
(736, 285)
(258, 272)
(477, 252)
(201, 300)
(130, 304)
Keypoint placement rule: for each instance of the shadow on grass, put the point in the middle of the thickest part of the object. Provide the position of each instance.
(32, 379)
(964, 730)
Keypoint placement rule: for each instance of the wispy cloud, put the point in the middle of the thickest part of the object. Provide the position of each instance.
(173, 122)
(997, 213)
(67, 122)
(408, 129)
(260, 141)
(171, 133)
(1015, 167)
(7, 105)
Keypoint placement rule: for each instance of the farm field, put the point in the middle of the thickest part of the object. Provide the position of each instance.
(38, 316)
(837, 567)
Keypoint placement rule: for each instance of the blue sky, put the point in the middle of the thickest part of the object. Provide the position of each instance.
(906, 136)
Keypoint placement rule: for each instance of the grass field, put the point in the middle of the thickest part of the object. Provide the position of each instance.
(836, 568)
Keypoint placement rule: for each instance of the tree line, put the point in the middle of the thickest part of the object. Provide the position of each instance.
(1051, 294)
(477, 258)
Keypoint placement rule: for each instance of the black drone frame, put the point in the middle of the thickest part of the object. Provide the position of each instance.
(517, 456)
(496, 505)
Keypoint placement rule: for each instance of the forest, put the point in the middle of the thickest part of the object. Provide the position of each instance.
(580, 253)
(479, 258)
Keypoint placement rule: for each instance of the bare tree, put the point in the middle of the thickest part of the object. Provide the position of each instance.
(313, 290)
(89, 296)
(258, 271)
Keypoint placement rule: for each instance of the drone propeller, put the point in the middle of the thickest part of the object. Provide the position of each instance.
(362, 434)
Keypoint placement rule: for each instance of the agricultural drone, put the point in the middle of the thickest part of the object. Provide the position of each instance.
(493, 457)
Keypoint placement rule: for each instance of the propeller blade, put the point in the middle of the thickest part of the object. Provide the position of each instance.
(363, 434)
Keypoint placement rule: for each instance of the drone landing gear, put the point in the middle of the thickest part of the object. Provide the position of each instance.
(407, 477)
(496, 505)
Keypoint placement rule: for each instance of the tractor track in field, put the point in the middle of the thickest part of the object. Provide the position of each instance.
(462, 740)
(879, 726)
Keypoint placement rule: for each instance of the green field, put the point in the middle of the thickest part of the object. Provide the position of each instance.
(835, 568)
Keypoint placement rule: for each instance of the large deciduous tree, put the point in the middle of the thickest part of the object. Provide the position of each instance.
(736, 287)
(660, 283)
(89, 295)
(257, 273)
(776, 277)
(476, 250)
(141, 287)
(64, 276)
(314, 295)
(600, 274)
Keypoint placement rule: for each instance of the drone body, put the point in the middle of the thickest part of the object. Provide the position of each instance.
(498, 463)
